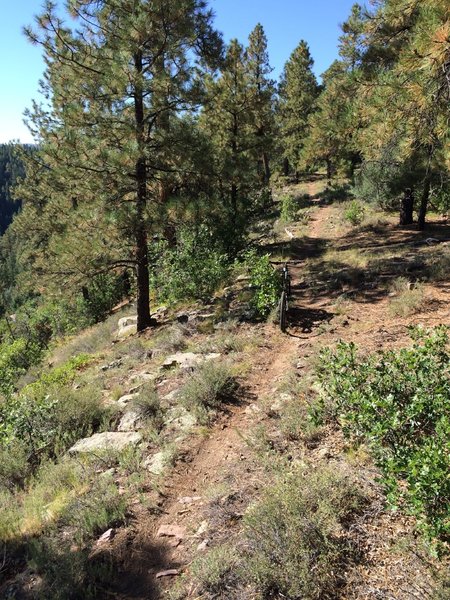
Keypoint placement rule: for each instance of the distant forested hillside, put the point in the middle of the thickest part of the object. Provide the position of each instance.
(11, 167)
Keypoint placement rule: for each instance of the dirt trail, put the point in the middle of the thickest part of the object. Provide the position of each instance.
(224, 454)
(208, 462)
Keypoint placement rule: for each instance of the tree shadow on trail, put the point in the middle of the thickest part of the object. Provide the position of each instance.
(136, 575)
(298, 249)
(306, 320)
(123, 567)
(382, 235)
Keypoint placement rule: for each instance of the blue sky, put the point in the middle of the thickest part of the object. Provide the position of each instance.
(286, 22)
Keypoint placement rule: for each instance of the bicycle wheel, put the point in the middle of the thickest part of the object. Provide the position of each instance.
(282, 313)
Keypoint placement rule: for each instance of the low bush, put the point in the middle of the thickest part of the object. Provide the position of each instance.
(354, 213)
(217, 571)
(289, 208)
(293, 535)
(265, 282)
(207, 387)
(193, 269)
(398, 402)
(15, 358)
(171, 339)
(148, 405)
(408, 299)
(49, 415)
(65, 564)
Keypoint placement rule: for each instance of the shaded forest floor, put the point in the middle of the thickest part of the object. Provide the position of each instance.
(366, 284)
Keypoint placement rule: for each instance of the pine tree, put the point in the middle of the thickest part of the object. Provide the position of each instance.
(298, 91)
(262, 94)
(228, 121)
(335, 122)
(115, 84)
(405, 101)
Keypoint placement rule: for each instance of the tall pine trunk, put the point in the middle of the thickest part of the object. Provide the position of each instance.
(407, 207)
(266, 166)
(141, 249)
(329, 170)
(424, 203)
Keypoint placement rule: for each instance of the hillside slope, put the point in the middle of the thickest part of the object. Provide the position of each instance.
(208, 455)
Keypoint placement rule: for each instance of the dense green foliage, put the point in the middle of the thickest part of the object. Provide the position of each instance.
(11, 169)
(265, 282)
(398, 402)
(15, 358)
(193, 269)
(46, 417)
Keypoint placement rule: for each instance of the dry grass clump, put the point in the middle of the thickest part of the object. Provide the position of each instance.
(409, 298)
(223, 342)
(148, 405)
(216, 573)
(171, 339)
(439, 264)
(93, 340)
(296, 423)
(211, 384)
(294, 534)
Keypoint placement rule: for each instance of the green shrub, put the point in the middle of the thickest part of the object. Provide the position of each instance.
(48, 416)
(66, 565)
(15, 358)
(148, 405)
(14, 465)
(398, 402)
(90, 514)
(293, 535)
(289, 207)
(191, 270)
(10, 516)
(207, 387)
(354, 213)
(264, 281)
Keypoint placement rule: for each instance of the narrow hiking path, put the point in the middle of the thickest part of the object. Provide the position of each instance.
(215, 476)
(154, 545)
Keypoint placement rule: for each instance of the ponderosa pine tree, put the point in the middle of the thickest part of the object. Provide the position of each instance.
(298, 92)
(262, 93)
(335, 122)
(404, 103)
(108, 133)
(228, 121)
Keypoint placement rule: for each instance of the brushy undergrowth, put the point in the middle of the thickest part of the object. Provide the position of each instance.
(288, 208)
(46, 418)
(398, 403)
(293, 542)
(354, 213)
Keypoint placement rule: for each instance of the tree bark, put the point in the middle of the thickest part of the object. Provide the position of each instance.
(407, 207)
(286, 167)
(141, 250)
(329, 171)
(424, 203)
(266, 165)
